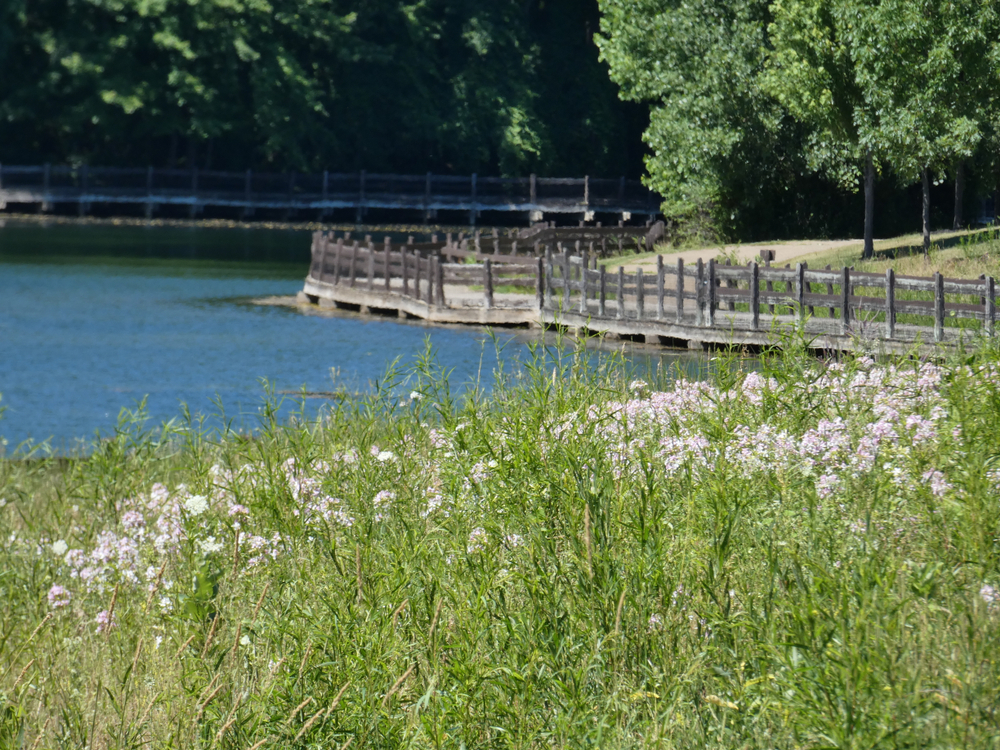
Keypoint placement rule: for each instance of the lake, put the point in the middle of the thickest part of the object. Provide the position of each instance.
(95, 318)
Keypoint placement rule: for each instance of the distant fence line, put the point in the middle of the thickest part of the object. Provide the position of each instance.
(559, 283)
(323, 192)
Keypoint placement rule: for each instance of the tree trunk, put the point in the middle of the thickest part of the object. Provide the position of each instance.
(869, 206)
(926, 179)
(959, 195)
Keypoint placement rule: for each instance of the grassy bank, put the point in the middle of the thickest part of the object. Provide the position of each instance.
(801, 556)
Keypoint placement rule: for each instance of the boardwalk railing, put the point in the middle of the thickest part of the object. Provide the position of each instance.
(755, 296)
(323, 192)
(704, 301)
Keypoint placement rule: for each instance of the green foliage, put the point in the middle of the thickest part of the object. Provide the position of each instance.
(804, 555)
(711, 129)
(386, 85)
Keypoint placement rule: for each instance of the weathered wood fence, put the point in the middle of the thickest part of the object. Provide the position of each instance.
(755, 296)
(323, 192)
(703, 301)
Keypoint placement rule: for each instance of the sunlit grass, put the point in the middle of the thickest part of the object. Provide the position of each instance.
(801, 556)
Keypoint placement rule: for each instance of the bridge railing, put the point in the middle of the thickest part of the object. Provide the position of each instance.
(62, 182)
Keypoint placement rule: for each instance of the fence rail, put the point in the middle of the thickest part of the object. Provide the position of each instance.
(50, 184)
(674, 300)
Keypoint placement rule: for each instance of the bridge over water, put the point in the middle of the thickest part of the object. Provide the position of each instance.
(46, 186)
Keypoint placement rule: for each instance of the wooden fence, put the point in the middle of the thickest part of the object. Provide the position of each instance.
(757, 295)
(676, 298)
(48, 184)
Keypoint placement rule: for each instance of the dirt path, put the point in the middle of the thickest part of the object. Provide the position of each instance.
(784, 252)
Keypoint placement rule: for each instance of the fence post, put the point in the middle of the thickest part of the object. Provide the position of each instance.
(805, 267)
(371, 266)
(710, 317)
(680, 290)
(845, 300)
(533, 191)
(584, 287)
(540, 282)
(938, 306)
(800, 289)
(354, 263)
(439, 283)
(640, 294)
(890, 303)
(404, 271)
(602, 292)
(325, 242)
(338, 253)
(699, 293)
(416, 275)
(387, 259)
(829, 290)
(769, 286)
(488, 283)
(586, 190)
(990, 305)
(430, 279)
(550, 268)
(567, 280)
(659, 287)
(621, 292)
(755, 295)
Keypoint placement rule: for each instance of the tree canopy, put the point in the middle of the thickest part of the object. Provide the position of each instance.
(842, 88)
(497, 86)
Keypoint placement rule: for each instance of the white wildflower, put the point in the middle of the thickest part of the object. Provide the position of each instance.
(196, 504)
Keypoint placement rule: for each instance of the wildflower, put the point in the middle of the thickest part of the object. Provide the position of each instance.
(166, 605)
(826, 485)
(245, 640)
(990, 595)
(133, 520)
(196, 504)
(239, 510)
(416, 395)
(58, 597)
(514, 540)
(105, 621)
(477, 541)
(59, 548)
(385, 456)
(938, 484)
(383, 498)
(210, 545)
(655, 622)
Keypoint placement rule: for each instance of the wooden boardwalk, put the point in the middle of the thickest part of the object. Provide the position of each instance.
(692, 306)
(322, 193)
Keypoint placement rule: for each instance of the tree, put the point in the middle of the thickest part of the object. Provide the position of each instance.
(929, 67)
(713, 133)
(812, 70)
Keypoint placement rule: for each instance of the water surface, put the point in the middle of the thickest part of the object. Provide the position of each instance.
(94, 319)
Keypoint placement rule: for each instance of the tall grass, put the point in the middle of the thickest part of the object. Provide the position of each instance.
(803, 555)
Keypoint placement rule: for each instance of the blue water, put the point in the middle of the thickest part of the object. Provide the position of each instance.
(93, 319)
